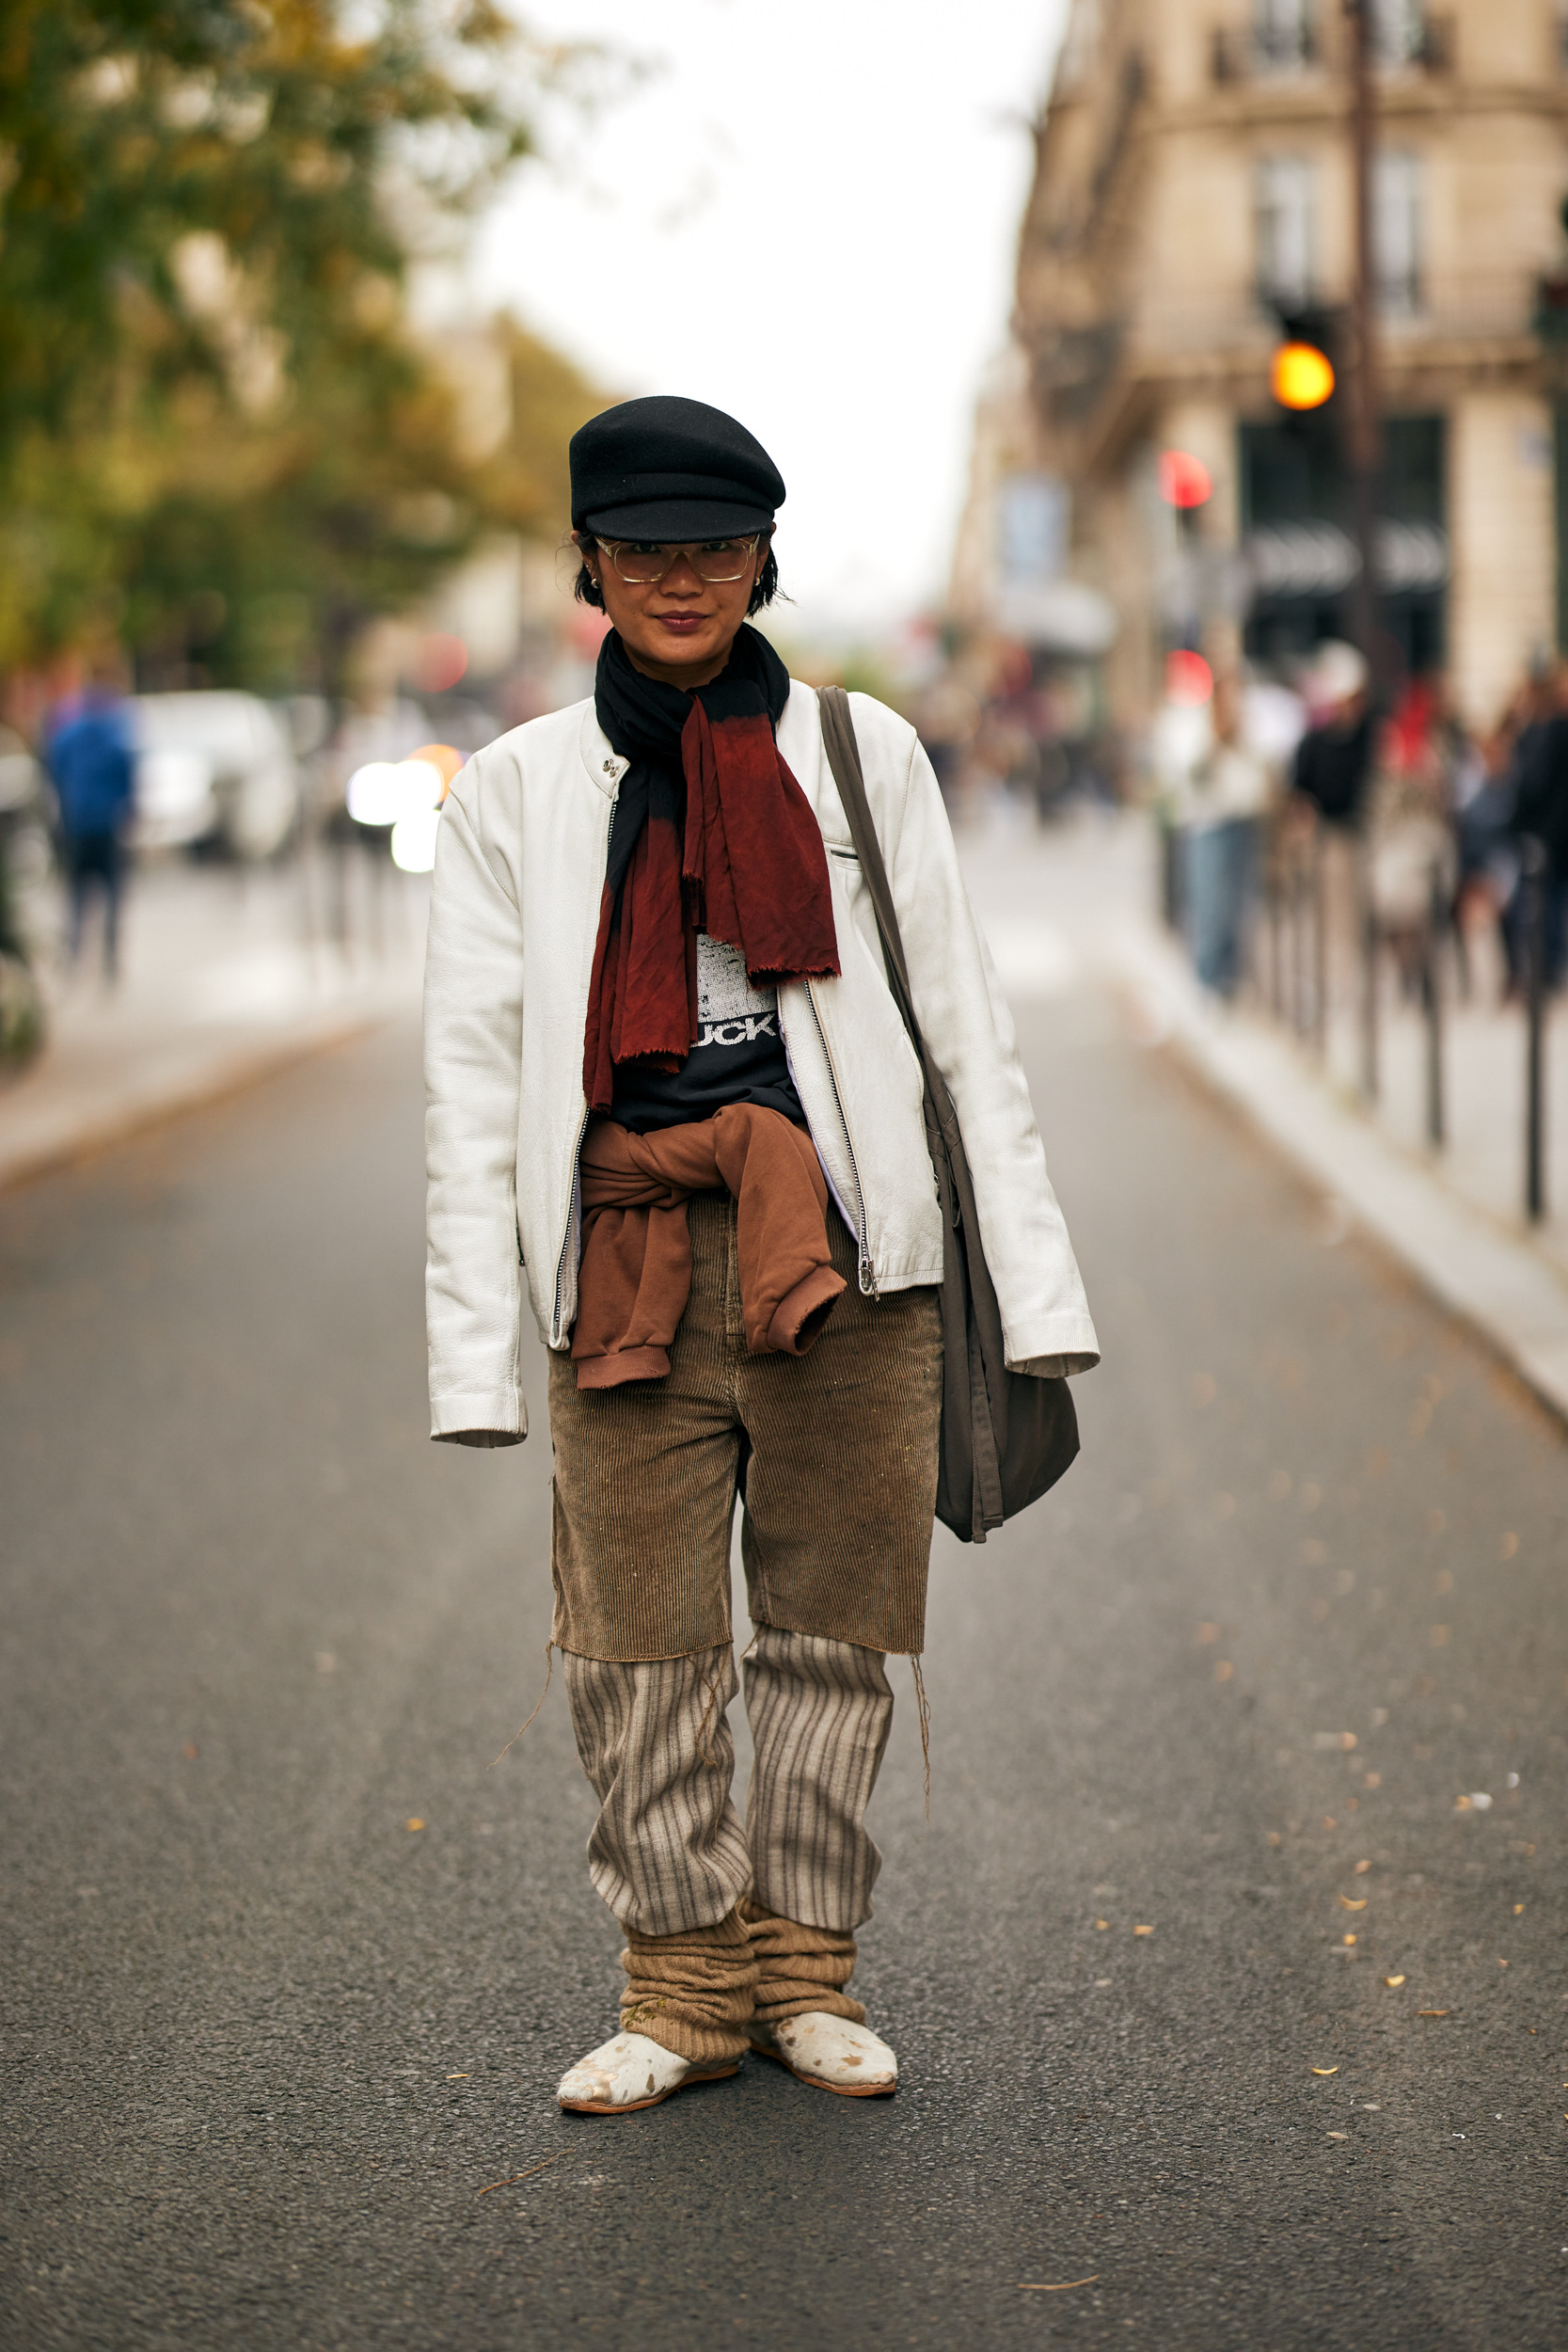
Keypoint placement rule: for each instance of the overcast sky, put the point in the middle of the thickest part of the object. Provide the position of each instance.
(807, 216)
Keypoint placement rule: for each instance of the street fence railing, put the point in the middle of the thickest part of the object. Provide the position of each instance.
(1319, 912)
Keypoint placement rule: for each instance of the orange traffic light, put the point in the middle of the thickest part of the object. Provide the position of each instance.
(1302, 375)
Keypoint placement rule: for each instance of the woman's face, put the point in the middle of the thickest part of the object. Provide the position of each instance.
(678, 629)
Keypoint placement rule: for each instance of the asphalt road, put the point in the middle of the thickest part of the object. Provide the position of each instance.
(279, 2061)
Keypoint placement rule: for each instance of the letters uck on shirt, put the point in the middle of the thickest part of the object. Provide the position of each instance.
(737, 1055)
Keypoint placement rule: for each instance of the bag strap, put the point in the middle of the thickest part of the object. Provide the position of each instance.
(973, 1393)
(843, 759)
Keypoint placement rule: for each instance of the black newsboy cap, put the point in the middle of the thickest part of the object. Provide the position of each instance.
(669, 469)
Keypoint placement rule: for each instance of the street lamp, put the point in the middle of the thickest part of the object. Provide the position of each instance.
(1362, 436)
(1551, 328)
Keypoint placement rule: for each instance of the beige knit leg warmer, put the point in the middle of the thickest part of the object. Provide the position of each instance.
(691, 1993)
(800, 1968)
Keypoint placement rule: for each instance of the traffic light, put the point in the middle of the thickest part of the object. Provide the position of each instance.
(1184, 482)
(1305, 371)
(1301, 376)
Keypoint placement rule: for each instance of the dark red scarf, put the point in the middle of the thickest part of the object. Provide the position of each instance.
(711, 832)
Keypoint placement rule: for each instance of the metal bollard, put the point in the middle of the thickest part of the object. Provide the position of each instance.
(1318, 887)
(1370, 943)
(1172, 896)
(1301, 940)
(1432, 1006)
(1533, 941)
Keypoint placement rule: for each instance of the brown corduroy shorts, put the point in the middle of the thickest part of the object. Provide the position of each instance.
(837, 1449)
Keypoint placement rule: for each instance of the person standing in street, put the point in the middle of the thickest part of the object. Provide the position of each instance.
(1227, 795)
(1331, 779)
(1333, 764)
(1540, 818)
(91, 764)
(673, 1103)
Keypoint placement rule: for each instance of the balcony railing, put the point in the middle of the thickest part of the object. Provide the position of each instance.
(1418, 43)
(1247, 53)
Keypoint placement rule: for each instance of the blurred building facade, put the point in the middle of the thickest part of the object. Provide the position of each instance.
(1192, 185)
(502, 621)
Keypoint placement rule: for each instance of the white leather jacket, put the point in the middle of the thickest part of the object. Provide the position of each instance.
(519, 874)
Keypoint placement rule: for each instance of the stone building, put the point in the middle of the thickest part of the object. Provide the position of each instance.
(1193, 186)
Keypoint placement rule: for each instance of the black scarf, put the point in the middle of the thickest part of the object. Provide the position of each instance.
(711, 833)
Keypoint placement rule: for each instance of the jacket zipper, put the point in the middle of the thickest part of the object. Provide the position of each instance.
(867, 1271)
(571, 1225)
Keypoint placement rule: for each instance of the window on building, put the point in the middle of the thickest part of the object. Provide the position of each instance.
(1284, 208)
(1396, 232)
(1282, 33)
(1032, 514)
(1398, 31)
(1079, 44)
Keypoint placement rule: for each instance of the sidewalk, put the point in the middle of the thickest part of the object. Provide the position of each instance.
(231, 974)
(1079, 904)
(227, 973)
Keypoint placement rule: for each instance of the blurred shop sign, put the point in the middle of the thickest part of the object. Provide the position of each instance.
(1059, 616)
(1032, 514)
(1320, 560)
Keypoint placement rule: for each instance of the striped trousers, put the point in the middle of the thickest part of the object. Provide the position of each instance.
(669, 1851)
(726, 1921)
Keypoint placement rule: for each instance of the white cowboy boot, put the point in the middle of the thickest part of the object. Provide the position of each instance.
(830, 2053)
(631, 2072)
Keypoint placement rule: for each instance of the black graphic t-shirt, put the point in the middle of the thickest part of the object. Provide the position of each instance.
(737, 1055)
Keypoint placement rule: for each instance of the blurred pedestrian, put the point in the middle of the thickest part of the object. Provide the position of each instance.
(90, 756)
(1409, 819)
(947, 718)
(1223, 807)
(649, 991)
(22, 1009)
(1487, 852)
(1330, 777)
(1333, 759)
(1540, 814)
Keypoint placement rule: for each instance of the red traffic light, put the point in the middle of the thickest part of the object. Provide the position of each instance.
(1184, 479)
(1189, 680)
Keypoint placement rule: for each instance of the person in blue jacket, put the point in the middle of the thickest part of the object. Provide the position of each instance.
(92, 763)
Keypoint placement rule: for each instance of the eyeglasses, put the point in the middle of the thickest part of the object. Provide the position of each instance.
(643, 562)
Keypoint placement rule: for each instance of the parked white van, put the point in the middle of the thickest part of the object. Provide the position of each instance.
(213, 769)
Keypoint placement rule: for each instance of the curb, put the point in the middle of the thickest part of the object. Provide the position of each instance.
(76, 1132)
(1500, 1286)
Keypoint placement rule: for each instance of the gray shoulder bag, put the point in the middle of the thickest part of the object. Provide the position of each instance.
(1005, 1436)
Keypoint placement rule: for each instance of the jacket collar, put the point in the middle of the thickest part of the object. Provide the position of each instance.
(799, 741)
(604, 764)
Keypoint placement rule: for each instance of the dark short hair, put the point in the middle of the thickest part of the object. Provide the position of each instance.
(587, 590)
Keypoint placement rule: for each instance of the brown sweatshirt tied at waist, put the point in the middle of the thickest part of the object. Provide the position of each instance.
(636, 1273)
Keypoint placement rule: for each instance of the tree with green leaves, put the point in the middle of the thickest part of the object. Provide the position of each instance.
(216, 433)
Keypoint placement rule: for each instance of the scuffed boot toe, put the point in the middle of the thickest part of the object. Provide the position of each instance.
(629, 2073)
(830, 2053)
